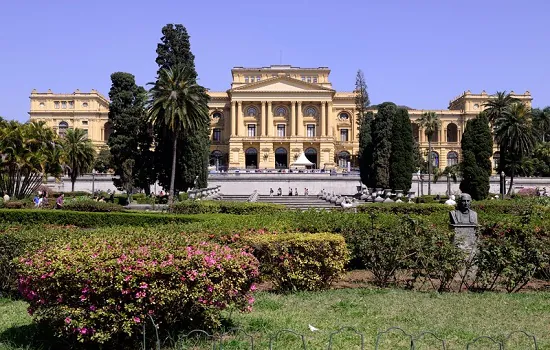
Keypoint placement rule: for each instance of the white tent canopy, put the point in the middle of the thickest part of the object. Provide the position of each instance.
(302, 161)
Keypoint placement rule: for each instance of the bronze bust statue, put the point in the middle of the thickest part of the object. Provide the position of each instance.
(463, 215)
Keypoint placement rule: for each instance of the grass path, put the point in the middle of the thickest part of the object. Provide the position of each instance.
(458, 318)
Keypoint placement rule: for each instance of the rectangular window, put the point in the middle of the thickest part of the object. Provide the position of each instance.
(56, 104)
(258, 78)
(308, 79)
(311, 130)
(71, 104)
(246, 79)
(217, 135)
(63, 104)
(344, 135)
(280, 130)
(251, 130)
(303, 78)
(315, 80)
(84, 122)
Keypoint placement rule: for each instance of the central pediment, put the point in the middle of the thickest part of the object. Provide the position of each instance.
(281, 84)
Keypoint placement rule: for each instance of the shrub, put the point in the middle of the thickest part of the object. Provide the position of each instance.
(222, 207)
(91, 206)
(300, 261)
(15, 204)
(85, 219)
(509, 255)
(99, 290)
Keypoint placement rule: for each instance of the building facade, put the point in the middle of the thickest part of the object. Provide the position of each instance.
(272, 114)
(84, 110)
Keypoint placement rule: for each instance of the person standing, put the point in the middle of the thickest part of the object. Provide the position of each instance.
(59, 201)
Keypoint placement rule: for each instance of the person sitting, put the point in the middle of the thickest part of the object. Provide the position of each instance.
(35, 201)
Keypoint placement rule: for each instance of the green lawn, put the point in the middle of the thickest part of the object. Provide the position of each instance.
(458, 318)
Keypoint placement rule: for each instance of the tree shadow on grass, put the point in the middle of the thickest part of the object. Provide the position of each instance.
(33, 337)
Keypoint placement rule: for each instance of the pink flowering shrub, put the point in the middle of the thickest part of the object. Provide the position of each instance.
(100, 289)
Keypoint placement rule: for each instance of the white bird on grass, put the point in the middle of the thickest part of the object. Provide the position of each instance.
(311, 328)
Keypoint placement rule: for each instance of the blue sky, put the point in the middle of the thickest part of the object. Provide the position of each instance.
(419, 53)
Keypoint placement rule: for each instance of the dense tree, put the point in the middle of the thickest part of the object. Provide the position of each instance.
(430, 122)
(177, 102)
(401, 157)
(103, 161)
(79, 153)
(366, 150)
(362, 100)
(498, 105)
(541, 122)
(131, 137)
(514, 133)
(28, 153)
(477, 148)
(382, 140)
(194, 148)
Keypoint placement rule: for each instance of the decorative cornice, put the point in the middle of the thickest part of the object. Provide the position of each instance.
(275, 79)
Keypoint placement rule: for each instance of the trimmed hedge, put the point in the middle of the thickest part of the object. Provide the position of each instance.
(225, 207)
(86, 219)
(98, 290)
(300, 261)
(90, 206)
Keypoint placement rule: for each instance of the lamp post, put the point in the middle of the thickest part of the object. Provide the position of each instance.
(93, 181)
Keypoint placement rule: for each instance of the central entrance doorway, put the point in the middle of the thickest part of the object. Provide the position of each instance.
(281, 158)
(251, 158)
(311, 155)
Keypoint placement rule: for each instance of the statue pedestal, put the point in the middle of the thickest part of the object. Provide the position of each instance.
(465, 237)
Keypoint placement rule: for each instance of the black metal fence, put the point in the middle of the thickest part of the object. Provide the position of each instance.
(393, 338)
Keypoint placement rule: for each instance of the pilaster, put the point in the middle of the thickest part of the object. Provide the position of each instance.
(300, 121)
(240, 119)
(330, 117)
(292, 121)
(263, 126)
(235, 151)
(269, 119)
(326, 155)
(233, 119)
(323, 119)
(266, 155)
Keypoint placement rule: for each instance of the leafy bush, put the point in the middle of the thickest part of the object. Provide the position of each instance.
(102, 290)
(509, 255)
(222, 207)
(300, 261)
(85, 219)
(403, 208)
(91, 206)
(15, 204)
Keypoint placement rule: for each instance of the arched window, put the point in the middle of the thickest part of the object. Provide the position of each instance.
(63, 126)
(251, 111)
(435, 159)
(311, 155)
(344, 116)
(343, 159)
(107, 130)
(452, 158)
(311, 111)
(281, 111)
(415, 131)
(435, 135)
(452, 133)
(496, 160)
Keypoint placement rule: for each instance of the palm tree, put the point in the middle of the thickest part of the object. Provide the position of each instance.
(79, 153)
(514, 133)
(541, 120)
(431, 123)
(179, 103)
(497, 106)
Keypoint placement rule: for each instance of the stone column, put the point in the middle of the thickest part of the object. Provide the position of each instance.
(292, 121)
(323, 119)
(329, 120)
(300, 119)
(233, 119)
(353, 126)
(262, 129)
(239, 118)
(269, 119)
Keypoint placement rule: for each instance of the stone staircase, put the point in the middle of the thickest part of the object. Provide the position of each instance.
(298, 202)
(235, 197)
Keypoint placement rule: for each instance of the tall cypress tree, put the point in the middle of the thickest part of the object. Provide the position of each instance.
(131, 138)
(477, 148)
(194, 149)
(401, 157)
(382, 140)
(366, 150)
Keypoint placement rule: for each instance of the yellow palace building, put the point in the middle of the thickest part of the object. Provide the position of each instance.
(272, 114)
